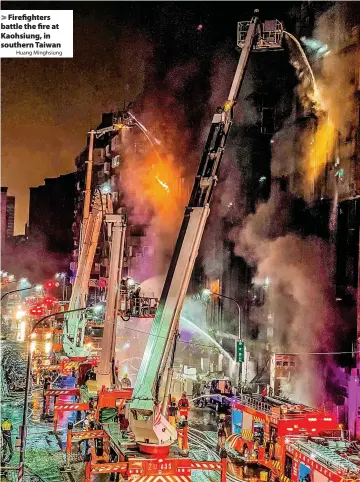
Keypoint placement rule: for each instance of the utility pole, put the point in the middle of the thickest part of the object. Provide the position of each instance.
(209, 292)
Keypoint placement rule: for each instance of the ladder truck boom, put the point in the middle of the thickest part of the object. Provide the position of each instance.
(74, 326)
(150, 428)
(105, 373)
(72, 344)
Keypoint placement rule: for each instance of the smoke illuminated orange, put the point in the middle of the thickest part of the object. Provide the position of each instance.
(322, 144)
(160, 181)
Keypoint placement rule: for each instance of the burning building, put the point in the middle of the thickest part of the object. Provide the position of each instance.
(139, 180)
(313, 178)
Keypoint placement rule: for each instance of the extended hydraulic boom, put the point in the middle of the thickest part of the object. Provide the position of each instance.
(150, 428)
(74, 325)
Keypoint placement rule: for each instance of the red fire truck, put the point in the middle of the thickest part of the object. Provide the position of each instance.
(295, 443)
(260, 423)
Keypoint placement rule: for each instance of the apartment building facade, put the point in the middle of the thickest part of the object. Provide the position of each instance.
(118, 164)
(7, 215)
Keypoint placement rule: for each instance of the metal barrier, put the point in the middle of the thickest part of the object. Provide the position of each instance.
(57, 392)
(254, 403)
(68, 407)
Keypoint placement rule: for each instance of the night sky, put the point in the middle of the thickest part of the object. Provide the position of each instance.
(120, 49)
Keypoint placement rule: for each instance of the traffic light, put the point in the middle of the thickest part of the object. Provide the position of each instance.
(240, 352)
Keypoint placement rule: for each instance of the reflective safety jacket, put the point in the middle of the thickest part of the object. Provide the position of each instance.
(6, 426)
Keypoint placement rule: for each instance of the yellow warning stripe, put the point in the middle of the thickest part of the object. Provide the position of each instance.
(258, 419)
(247, 434)
(283, 478)
(276, 464)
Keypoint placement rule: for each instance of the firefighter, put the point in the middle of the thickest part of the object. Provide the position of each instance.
(125, 381)
(172, 409)
(90, 374)
(123, 422)
(222, 431)
(180, 427)
(91, 420)
(87, 422)
(47, 384)
(46, 387)
(6, 428)
(52, 358)
(183, 406)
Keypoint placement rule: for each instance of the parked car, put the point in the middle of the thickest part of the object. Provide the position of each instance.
(220, 395)
(220, 404)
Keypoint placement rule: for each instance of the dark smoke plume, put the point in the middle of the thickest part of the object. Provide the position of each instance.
(301, 298)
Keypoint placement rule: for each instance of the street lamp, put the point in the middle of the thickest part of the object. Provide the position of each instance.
(27, 387)
(20, 314)
(62, 276)
(15, 291)
(208, 292)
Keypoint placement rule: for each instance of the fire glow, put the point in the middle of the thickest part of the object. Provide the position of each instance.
(163, 184)
(321, 146)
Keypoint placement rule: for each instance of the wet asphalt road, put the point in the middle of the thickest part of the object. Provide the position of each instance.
(203, 419)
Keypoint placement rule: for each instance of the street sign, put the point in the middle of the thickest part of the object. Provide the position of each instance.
(240, 352)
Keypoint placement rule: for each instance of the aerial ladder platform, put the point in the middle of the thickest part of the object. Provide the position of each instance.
(152, 433)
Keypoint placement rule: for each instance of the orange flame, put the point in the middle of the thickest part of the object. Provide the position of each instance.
(321, 146)
(163, 184)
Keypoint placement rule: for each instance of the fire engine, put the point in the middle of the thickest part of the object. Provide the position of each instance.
(294, 442)
(149, 451)
(153, 435)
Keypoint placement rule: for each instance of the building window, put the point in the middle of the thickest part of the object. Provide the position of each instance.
(137, 231)
(116, 161)
(267, 120)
